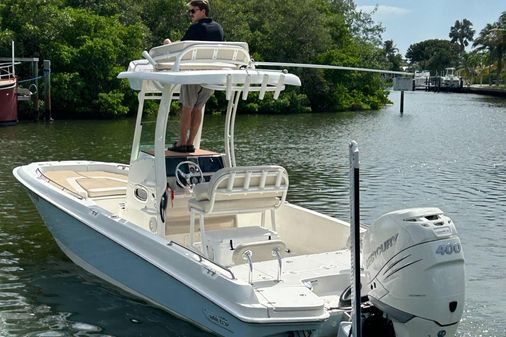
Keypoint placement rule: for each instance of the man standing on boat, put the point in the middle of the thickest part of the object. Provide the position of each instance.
(193, 97)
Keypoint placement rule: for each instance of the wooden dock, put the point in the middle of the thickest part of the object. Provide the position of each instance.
(435, 83)
(485, 90)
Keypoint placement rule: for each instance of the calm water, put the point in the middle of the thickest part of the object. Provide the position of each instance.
(448, 150)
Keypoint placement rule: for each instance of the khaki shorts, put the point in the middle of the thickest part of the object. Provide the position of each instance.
(194, 95)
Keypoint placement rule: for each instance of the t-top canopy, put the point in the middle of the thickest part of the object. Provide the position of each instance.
(222, 66)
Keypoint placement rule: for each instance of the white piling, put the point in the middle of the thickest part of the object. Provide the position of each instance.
(355, 240)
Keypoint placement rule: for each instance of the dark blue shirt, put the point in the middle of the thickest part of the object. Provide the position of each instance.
(204, 30)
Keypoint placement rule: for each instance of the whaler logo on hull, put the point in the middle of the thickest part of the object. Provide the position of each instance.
(217, 319)
(381, 249)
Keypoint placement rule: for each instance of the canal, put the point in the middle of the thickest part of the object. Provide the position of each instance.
(446, 150)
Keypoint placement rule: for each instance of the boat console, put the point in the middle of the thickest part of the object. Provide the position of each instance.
(208, 162)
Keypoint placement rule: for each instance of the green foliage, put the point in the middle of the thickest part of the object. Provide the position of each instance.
(492, 40)
(71, 85)
(110, 104)
(461, 33)
(392, 57)
(434, 55)
(289, 101)
(90, 41)
(165, 19)
(96, 46)
(330, 90)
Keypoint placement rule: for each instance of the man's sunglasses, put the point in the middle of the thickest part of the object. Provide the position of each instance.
(193, 10)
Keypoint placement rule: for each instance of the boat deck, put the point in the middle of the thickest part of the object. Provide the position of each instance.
(324, 273)
(89, 184)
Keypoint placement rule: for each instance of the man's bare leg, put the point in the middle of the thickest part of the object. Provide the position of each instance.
(196, 117)
(186, 120)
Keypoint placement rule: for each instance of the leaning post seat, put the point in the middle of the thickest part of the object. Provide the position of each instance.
(199, 55)
(240, 189)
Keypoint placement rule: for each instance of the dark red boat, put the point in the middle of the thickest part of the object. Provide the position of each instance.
(8, 97)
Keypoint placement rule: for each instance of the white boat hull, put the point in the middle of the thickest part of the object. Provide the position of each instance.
(133, 260)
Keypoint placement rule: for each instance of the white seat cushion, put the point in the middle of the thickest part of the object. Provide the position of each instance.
(260, 251)
(244, 205)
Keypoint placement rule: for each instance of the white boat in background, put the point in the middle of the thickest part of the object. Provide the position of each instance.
(217, 244)
(450, 79)
(422, 79)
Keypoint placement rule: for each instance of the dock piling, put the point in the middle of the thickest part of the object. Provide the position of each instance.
(402, 102)
(47, 89)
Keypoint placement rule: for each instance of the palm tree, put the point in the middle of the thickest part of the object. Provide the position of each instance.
(389, 47)
(493, 39)
(461, 33)
(392, 55)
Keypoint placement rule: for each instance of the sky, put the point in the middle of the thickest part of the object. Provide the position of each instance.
(411, 21)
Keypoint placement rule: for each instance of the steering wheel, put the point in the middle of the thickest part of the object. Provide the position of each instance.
(190, 179)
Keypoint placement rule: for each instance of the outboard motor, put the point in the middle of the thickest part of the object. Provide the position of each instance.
(414, 268)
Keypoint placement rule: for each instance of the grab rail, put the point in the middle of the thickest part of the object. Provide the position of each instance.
(202, 258)
(12, 86)
(172, 57)
(7, 68)
(240, 57)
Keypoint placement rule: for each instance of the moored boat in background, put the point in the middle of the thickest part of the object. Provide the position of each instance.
(8, 96)
(422, 79)
(450, 79)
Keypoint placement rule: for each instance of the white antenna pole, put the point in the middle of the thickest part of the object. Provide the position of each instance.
(325, 66)
(13, 60)
(355, 240)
